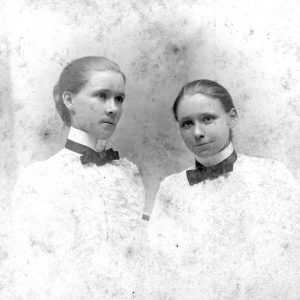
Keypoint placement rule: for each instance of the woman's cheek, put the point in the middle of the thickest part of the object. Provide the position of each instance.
(183, 134)
(187, 138)
(120, 112)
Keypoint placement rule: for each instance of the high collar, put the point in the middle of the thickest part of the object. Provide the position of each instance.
(83, 138)
(217, 158)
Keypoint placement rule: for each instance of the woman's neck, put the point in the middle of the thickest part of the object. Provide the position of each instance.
(83, 138)
(217, 158)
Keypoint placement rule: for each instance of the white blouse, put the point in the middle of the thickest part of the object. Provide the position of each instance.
(75, 228)
(234, 237)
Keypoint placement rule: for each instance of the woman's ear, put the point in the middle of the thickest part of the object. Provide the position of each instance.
(232, 117)
(68, 101)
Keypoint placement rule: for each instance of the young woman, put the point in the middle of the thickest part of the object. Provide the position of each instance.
(76, 215)
(227, 228)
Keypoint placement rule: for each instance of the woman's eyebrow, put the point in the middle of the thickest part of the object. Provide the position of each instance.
(209, 114)
(184, 119)
(109, 92)
(121, 94)
(204, 114)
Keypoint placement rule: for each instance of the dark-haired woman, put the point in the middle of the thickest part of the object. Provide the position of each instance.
(76, 215)
(228, 227)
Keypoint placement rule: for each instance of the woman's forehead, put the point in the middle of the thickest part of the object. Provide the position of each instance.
(199, 103)
(107, 79)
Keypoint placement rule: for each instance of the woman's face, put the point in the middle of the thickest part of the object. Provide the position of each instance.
(97, 107)
(204, 124)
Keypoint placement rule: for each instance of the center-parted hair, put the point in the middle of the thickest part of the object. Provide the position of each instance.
(74, 77)
(205, 87)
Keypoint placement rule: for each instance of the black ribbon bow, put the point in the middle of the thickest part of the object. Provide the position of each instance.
(203, 173)
(99, 158)
(90, 156)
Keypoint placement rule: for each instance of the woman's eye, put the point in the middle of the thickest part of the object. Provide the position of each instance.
(208, 119)
(186, 124)
(119, 99)
(102, 95)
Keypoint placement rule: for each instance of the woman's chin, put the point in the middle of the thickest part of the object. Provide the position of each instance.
(204, 153)
(103, 134)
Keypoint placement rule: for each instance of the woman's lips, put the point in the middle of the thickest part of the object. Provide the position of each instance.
(200, 145)
(110, 122)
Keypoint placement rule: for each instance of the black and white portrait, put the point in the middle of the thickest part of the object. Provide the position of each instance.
(150, 149)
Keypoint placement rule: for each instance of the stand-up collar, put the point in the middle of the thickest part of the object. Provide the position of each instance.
(83, 138)
(217, 158)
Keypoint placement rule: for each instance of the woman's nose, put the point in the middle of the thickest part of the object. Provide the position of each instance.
(111, 107)
(199, 132)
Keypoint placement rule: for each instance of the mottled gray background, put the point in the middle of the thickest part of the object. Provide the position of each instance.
(251, 47)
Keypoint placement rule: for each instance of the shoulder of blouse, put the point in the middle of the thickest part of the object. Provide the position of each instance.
(127, 164)
(173, 180)
(37, 171)
(246, 162)
(269, 171)
(34, 169)
(263, 164)
(58, 159)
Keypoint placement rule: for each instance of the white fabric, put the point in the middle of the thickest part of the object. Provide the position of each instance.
(85, 139)
(82, 138)
(235, 237)
(75, 229)
(217, 158)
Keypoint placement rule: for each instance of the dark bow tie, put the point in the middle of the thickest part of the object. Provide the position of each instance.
(203, 173)
(90, 156)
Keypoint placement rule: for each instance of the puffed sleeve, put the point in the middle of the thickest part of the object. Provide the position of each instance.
(159, 221)
(134, 184)
(285, 220)
(26, 261)
(137, 179)
(5, 227)
(165, 230)
(33, 252)
(287, 208)
(163, 270)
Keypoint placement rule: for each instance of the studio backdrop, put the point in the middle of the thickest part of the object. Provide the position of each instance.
(250, 47)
